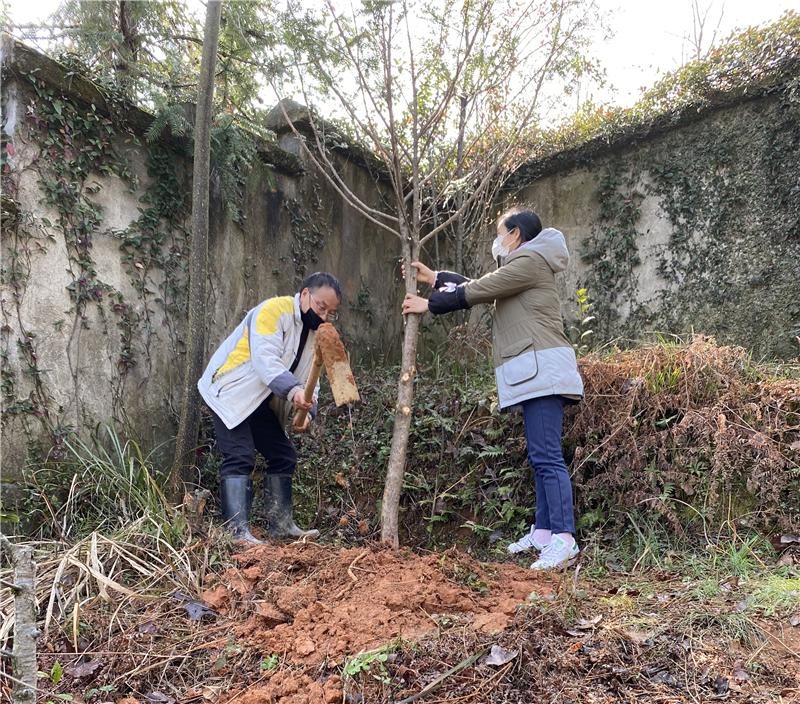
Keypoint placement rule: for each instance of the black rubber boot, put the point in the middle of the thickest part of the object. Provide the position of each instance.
(236, 497)
(280, 508)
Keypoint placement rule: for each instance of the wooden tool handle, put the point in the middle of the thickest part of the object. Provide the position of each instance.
(308, 394)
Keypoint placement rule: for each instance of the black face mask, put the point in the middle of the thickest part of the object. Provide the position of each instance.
(311, 319)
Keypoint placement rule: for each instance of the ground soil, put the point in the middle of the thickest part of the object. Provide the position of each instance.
(278, 624)
(311, 604)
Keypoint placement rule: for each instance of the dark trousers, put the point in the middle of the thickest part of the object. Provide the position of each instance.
(260, 431)
(544, 417)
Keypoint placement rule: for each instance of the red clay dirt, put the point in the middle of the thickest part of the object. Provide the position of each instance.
(310, 604)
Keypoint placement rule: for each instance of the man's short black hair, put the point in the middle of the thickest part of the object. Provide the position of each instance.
(322, 278)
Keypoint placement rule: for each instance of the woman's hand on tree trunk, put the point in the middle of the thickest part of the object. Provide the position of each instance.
(425, 274)
(414, 304)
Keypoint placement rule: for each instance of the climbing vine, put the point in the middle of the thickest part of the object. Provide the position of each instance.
(77, 144)
(611, 250)
(727, 187)
(157, 241)
(307, 228)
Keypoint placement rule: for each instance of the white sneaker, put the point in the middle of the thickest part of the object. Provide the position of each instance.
(526, 542)
(557, 555)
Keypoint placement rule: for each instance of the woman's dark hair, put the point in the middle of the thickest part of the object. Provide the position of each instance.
(322, 278)
(526, 220)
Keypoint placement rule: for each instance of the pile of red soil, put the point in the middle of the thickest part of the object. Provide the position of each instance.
(310, 604)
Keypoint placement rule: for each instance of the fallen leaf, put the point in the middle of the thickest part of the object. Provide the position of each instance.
(664, 677)
(729, 584)
(789, 539)
(584, 623)
(721, 685)
(739, 673)
(638, 637)
(147, 627)
(158, 698)
(341, 481)
(196, 610)
(86, 669)
(499, 656)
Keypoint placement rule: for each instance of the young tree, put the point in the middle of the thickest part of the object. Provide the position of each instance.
(699, 42)
(443, 93)
(186, 438)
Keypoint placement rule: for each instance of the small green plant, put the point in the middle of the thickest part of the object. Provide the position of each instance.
(63, 697)
(663, 381)
(112, 481)
(269, 663)
(55, 674)
(737, 556)
(776, 596)
(97, 691)
(706, 588)
(371, 662)
(580, 333)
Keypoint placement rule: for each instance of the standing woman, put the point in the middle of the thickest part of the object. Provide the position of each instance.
(535, 365)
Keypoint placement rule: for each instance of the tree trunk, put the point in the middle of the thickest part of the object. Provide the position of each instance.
(462, 119)
(186, 439)
(405, 398)
(25, 632)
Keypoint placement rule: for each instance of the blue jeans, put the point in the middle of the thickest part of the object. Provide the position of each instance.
(543, 421)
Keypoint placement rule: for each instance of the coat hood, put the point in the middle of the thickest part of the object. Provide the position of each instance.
(550, 244)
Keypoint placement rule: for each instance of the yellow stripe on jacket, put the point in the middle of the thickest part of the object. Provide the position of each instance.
(238, 355)
(266, 324)
(269, 314)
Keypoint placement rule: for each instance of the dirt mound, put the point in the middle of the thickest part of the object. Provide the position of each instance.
(310, 603)
(290, 688)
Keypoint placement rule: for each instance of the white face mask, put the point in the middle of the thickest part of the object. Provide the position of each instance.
(498, 250)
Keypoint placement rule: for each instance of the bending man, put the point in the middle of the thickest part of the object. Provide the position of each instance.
(253, 382)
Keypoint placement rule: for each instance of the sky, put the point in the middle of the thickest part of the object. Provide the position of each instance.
(649, 36)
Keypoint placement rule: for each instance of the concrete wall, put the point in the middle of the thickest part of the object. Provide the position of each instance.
(713, 226)
(61, 369)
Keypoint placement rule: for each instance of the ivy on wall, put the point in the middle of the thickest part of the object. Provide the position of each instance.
(76, 145)
(729, 189)
(612, 248)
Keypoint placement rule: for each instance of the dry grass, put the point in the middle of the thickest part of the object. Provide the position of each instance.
(690, 431)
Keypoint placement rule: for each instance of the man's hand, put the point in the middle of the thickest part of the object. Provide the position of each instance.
(414, 304)
(424, 274)
(304, 427)
(299, 400)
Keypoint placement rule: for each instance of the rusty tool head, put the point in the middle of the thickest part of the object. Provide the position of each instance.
(337, 366)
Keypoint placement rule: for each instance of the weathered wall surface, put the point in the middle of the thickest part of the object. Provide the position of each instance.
(694, 229)
(94, 247)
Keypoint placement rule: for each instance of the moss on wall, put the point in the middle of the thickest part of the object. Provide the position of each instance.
(728, 188)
